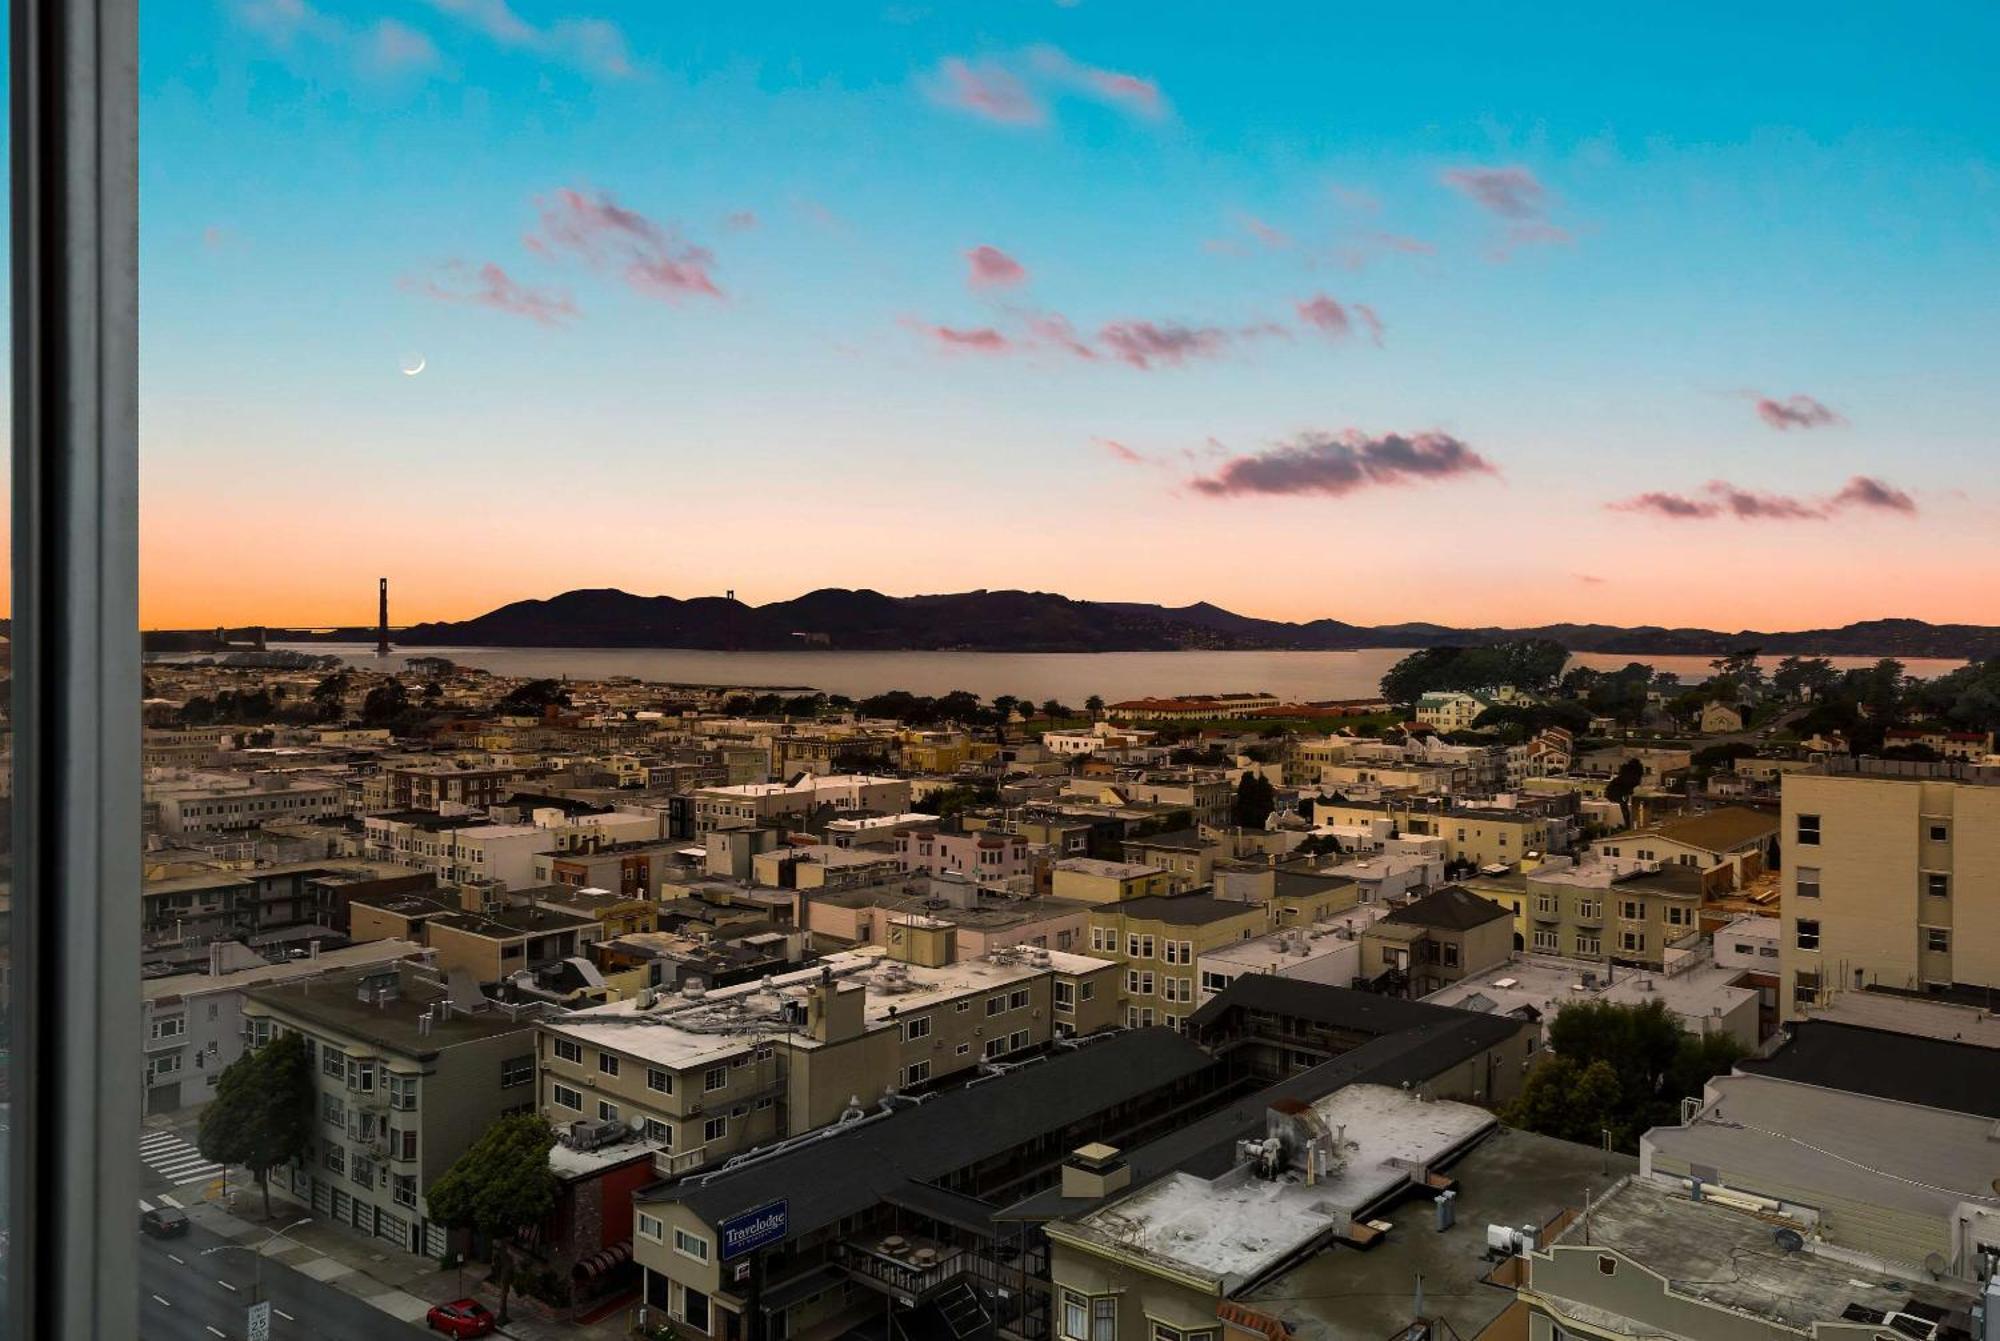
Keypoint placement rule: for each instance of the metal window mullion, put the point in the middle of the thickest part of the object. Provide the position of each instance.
(77, 1057)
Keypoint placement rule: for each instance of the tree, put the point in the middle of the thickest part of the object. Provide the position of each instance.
(263, 1111)
(1616, 1068)
(1533, 665)
(1255, 799)
(385, 703)
(1056, 709)
(330, 695)
(533, 699)
(1804, 677)
(1623, 784)
(1003, 712)
(1740, 668)
(501, 1185)
(1094, 705)
(1567, 1099)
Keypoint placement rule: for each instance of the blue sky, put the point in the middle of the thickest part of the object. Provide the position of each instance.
(1593, 243)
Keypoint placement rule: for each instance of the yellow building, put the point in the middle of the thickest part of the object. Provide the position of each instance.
(1888, 881)
(1088, 880)
(1156, 940)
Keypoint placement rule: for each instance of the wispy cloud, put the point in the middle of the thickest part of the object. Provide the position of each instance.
(1515, 198)
(1796, 412)
(986, 91)
(1014, 89)
(596, 46)
(1142, 344)
(991, 268)
(1268, 235)
(1118, 451)
(1372, 322)
(1337, 464)
(962, 339)
(382, 49)
(1720, 498)
(1589, 579)
(740, 221)
(491, 287)
(651, 257)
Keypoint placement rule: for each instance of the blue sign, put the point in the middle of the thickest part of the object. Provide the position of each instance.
(754, 1229)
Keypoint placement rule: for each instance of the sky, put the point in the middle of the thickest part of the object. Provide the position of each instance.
(1303, 309)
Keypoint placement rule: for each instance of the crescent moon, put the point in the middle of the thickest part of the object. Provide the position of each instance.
(422, 363)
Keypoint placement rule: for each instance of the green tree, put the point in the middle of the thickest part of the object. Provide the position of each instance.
(534, 698)
(1568, 1099)
(1616, 1068)
(1255, 799)
(1056, 709)
(1804, 677)
(262, 1114)
(385, 703)
(1739, 668)
(501, 1185)
(1094, 704)
(330, 696)
(1623, 784)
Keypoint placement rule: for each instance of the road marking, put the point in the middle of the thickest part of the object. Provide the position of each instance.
(163, 1303)
(179, 1260)
(225, 1285)
(286, 1316)
(217, 1331)
(167, 1200)
(145, 1205)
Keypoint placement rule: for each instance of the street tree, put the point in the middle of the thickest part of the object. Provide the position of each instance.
(262, 1113)
(501, 1185)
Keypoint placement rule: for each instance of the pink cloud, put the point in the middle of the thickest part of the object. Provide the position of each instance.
(491, 287)
(1372, 322)
(1326, 314)
(740, 221)
(652, 258)
(1119, 451)
(963, 339)
(596, 46)
(1589, 579)
(1145, 343)
(1719, 498)
(1133, 93)
(992, 268)
(988, 92)
(1796, 412)
(1052, 328)
(1274, 238)
(1864, 491)
(1335, 465)
(1515, 196)
(1356, 199)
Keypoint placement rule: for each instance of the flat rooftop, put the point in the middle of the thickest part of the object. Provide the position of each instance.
(334, 1004)
(1236, 1227)
(1279, 950)
(1728, 1259)
(1917, 1016)
(508, 923)
(1923, 1161)
(1546, 983)
(171, 986)
(1109, 870)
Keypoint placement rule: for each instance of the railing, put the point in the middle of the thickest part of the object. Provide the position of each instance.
(674, 1163)
(900, 1275)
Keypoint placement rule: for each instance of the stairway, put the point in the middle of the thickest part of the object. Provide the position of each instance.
(963, 1310)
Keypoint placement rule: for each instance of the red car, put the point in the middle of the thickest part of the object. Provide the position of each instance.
(461, 1317)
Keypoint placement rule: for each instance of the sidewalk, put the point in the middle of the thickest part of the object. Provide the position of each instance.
(402, 1285)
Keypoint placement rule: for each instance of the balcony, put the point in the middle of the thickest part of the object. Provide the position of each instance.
(674, 1163)
(908, 1267)
(1541, 914)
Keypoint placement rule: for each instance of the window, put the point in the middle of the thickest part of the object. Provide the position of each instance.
(1808, 831)
(1633, 942)
(333, 1062)
(1104, 1319)
(1805, 988)
(694, 1304)
(1213, 982)
(690, 1245)
(1065, 997)
(1938, 831)
(1807, 933)
(169, 1026)
(1162, 1332)
(916, 1027)
(656, 1130)
(1937, 884)
(1588, 944)
(651, 1227)
(513, 1071)
(361, 1074)
(916, 1073)
(402, 1091)
(332, 1111)
(714, 1129)
(1450, 955)
(1805, 882)
(607, 1111)
(1075, 1316)
(1632, 910)
(715, 1078)
(995, 1005)
(568, 1050)
(659, 1081)
(1018, 999)
(1545, 940)
(565, 1097)
(1937, 940)
(403, 1186)
(607, 1062)
(1607, 1266)
(335, 1157)
(1677, 916)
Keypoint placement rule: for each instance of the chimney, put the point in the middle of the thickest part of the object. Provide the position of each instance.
(1095, 1171)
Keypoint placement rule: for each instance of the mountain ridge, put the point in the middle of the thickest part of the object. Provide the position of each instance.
(1030, 621)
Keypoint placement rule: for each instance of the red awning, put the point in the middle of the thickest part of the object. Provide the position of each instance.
(601, 1261)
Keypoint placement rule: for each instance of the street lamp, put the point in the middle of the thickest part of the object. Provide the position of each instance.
(257, 1249)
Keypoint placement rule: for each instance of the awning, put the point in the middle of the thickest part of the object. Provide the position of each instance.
(603, 1260)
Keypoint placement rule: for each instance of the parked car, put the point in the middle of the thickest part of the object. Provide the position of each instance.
(461, 1317)
(163, 1222)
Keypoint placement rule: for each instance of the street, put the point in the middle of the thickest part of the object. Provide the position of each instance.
(186, 1296)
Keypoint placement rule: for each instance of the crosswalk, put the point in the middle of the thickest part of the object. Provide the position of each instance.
(174, 1159)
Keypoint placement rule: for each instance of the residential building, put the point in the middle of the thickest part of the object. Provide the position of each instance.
(1088, 880)
(1448, 934)
(762, 802)
(1156, 940)
(1184, 854)
(1721, 719)
(229, 803)
(1703, 998)
(1481, 835)
(1324, 951)
(1452, 709)
(986, 856)
(1741, 839)
(408, 1072)
(1624, 913)
(504, 940)
(1892, 880)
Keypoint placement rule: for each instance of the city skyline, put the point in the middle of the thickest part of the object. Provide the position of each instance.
(1310, 316)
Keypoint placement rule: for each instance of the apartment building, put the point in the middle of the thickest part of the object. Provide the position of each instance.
(986, 856)
(212, 805)
(1184, 854)
(191, 1024)
(1623, 913)
(274, 907)
(1743, 840)
(1157, 939)
(1481, 835)
(504, 940)
(1890, 880)
(408, 1071)
(182, 747)
(707, 1074)
(1426, 946)
(631, 868)
(764, 802)
(1088, 880)
(432, 787)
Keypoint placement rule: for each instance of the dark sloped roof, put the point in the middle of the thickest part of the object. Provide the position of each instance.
(1341, 1007)
(847, 1173)
(1931, 1072)
(1181, 910)
(1453, 908)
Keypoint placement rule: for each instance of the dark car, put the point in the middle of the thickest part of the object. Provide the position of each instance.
(461, 1317)
(164, 1222)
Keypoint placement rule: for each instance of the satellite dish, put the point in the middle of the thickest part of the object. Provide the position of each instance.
(1789, 1240)
(1935, 1264)
(637, 1126)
